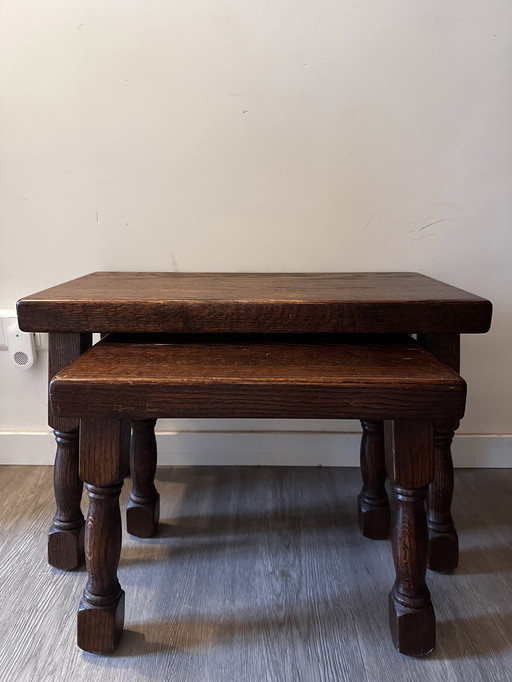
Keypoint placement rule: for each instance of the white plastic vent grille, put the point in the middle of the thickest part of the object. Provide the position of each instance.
(20, 358)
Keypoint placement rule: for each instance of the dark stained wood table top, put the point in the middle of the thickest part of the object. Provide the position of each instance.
(157, 302)
(297, 376)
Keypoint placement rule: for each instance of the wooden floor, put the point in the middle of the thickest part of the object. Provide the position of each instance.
(259, 574)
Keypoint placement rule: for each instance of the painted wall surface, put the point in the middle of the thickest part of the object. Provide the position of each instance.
(268, 135)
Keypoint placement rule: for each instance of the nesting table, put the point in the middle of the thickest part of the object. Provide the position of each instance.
(319, 303)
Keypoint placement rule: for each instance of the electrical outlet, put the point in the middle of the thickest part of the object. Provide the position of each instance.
(8, 317)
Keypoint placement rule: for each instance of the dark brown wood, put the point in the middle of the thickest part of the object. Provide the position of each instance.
(411, 614)
(443, 555)
(409, 452)
(373, 505)
(387, 373)
(221, 302)
(240, 302)
(63, 349)
(102, 444)
(325, 303)
(143, 509)
(323, 379)
(158, 371)
(101, 611)
(410, 463)
(443, 539)
(66, 534)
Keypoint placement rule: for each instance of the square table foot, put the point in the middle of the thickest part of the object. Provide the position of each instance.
(413, 631)
(142, 519)
(374, 518)
(99, 628)
(443, 551)
(66, 548)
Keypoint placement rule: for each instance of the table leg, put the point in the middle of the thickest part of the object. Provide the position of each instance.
(373, 506)
(143, 509)
(443, 554)
(100, 615)
(409, 454)
(66, 535)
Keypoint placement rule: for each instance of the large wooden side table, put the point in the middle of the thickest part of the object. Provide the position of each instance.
(320, 303)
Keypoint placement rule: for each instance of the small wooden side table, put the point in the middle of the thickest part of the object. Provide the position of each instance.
(330, 303)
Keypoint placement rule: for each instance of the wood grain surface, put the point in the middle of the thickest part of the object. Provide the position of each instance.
(258, 574)
(63, 349)
(257, 302)
(308, 378)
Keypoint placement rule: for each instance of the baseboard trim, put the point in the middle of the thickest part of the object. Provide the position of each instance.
(277, 448)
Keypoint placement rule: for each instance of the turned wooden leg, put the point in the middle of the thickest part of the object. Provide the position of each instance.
(66, 535)
(409, 451)
(411, 614)
(443, 555)
(373, 506)
(101, 611)
(143, 509)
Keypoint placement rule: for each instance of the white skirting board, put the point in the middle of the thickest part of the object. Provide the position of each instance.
(277, 448)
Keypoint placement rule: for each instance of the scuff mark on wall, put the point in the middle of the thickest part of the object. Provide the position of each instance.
(364, 228)
(436, 222)
(174, 267)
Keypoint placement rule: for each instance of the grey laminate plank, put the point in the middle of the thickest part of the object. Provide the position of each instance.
(258, 574)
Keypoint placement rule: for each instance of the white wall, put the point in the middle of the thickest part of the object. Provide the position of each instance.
(276, 135)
